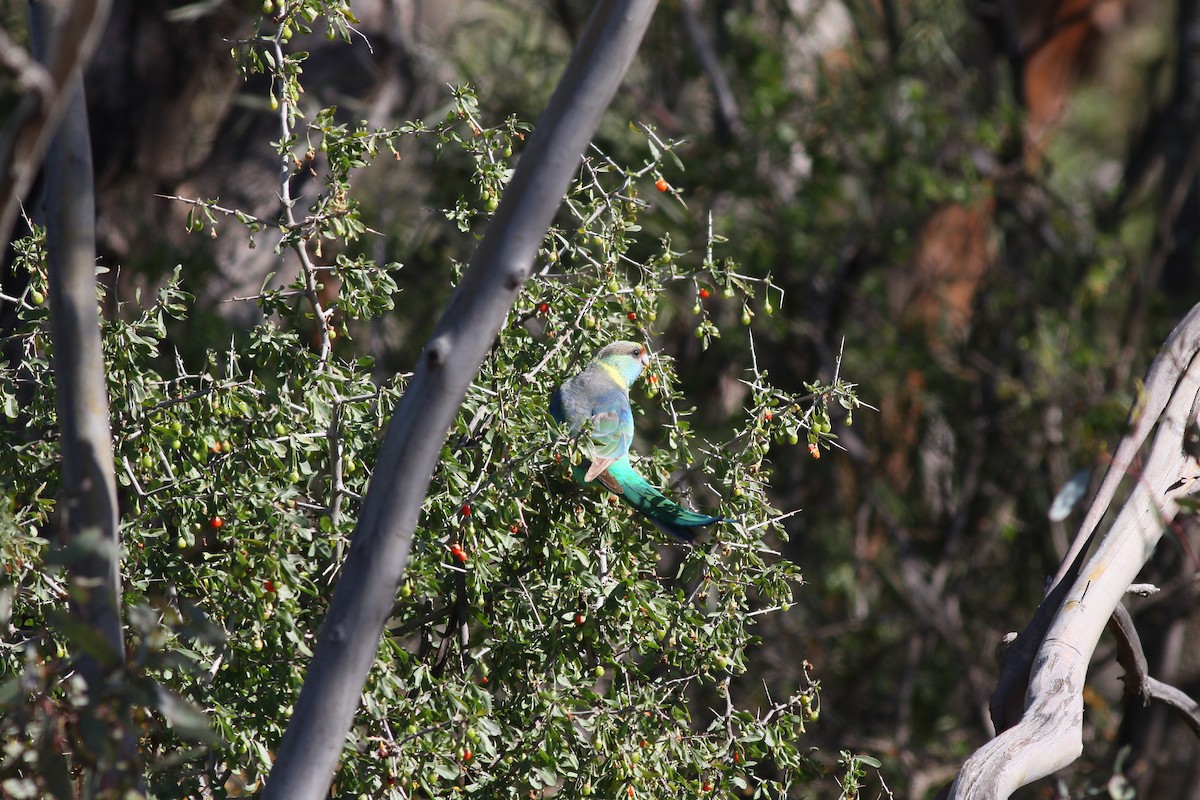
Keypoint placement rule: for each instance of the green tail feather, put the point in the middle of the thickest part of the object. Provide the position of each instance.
(667, 515)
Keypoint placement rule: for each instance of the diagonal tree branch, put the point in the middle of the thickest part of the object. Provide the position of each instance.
(374, 567)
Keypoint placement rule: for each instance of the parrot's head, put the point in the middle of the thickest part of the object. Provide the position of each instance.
(627, 359)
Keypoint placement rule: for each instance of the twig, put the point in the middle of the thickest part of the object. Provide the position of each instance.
(320, 314)
(1138, 682)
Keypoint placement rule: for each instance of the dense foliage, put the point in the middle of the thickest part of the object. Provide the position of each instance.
(544, 638)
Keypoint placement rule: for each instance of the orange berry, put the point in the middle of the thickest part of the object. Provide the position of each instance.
(653, 379)
(543, 308)
(813, 450)
(632, 316)
(704, 293)
(662, 186)
(216, 522)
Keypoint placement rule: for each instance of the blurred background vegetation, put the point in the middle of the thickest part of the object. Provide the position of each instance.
(989, 208)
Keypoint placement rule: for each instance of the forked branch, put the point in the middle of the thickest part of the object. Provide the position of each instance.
(1051, 655)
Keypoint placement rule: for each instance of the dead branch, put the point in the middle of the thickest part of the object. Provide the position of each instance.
(1052, 654)
(1138, 682)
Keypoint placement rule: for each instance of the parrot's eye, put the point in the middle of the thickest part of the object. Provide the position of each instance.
(637, 352)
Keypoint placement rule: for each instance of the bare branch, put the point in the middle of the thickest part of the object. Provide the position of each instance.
(1007, 701)
(1138, 682)
(1049, 733)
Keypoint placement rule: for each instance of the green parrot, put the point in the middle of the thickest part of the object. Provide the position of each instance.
(600, 394)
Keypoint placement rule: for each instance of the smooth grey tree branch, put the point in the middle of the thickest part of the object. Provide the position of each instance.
(25, 136)
(364, 596)
(87, 515)
(1049, 734)
(89, 506)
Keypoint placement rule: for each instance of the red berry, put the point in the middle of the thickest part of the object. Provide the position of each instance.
(653, 379)
(466, 510)
(662, 186)
(216, 447)
(467, 755)
(708, 787)
(580, 619)
(269, 585)
(704, 293)
(543, 308)
(514, 529)
(768, 416)
(632, 316)
(216, 522)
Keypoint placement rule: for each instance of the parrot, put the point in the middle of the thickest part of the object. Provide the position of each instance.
(599, 394)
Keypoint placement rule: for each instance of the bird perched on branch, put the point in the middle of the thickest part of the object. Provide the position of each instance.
(599, 396)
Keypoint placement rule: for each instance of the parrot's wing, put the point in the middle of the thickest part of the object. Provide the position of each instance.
(612, 433)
